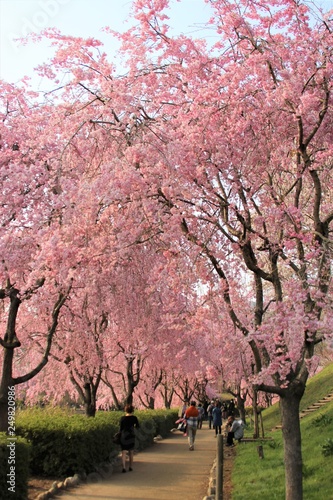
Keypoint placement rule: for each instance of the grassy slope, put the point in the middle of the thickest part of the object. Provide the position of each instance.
(254, 478)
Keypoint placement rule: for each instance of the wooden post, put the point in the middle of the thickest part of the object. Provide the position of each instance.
(219, 468)
(260, 451)
(262, 425)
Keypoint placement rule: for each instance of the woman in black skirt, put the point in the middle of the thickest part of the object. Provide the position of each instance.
(128, 424)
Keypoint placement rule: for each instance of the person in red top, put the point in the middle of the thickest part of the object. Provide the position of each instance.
(191, 416)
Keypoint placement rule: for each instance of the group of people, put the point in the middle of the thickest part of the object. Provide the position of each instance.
(216, 412)
(227, 409)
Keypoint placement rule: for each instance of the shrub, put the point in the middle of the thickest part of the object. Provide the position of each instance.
(322, 420)
(327, 447)
(64, 443)
(145, 434)
(16, 457)
(274, 444)
(164, 420)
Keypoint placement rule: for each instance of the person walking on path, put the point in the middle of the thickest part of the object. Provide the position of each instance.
(217, 418)
(191, 416)
(128, 424)
(201, 415)
(209, 413)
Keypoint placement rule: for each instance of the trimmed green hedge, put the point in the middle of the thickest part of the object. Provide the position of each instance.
(14, 468)
(65, 443)
(164, 420)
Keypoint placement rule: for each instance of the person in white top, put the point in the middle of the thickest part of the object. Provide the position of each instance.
(236, 431)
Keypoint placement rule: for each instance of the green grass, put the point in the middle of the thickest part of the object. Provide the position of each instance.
(255, 478)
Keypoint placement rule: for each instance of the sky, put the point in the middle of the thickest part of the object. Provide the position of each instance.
(83, 18)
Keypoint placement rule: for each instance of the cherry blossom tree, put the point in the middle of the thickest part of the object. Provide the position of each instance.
(167, 389)
(240, 139)
(229, 357)
(83, 351)
(31, 284)
(147, 314)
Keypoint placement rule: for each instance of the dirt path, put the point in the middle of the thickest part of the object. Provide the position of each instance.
(166, 470)
(228, 462)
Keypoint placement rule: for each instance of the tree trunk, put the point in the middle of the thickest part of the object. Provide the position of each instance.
(167, 397)
(133, 378)
(115, 399)
(89, 400)
(166, 393)
(241, 407)
(90, 410)
(9, 343)
(255, 415)
(129, 397)
(291, 431)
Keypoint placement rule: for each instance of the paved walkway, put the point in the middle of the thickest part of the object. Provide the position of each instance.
(167, 470)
